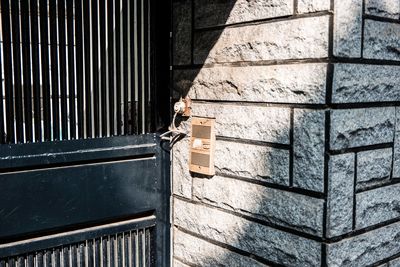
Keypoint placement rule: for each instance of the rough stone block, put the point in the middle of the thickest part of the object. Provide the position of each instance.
(182, 32)
(347, 28)
(279, 207)
(269, 124)
(252, 161)
(361, 127)
(297, 83)
(383, 8)
(290, 39)
(396, 156)
(365, 249)
(394, 263)
(182, 182)
(199, 252)
(354, 83)
(177, 263)
(340, 195)
(378, 205)
(381, 40)
(272, 244)
(309, 149)
(212, 13)
(308, 6)
(374, 167)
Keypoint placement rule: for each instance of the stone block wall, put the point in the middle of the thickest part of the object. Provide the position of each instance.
(306, 96)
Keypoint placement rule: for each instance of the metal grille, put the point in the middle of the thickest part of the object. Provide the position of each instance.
(127, 248)
(74, 69)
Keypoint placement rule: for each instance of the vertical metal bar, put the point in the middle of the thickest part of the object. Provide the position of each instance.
(26, 59)
(148, 247)
(90, 253)
(6, 30)
(39, 259)
(126, 249)
(86, 39)
(36, 70)
(19, 119)
(146, 66)
(11, 262)
(95, 55)
(111, 85)
(103, 55)
(74, 256)
(79, 66)
(63, 69)
(47, 258)
(97, 252)
(104, 246)
(140, 248)
(119, 250)
(139, 64)
(118, 64)
(21, 261)
(132, 44)
(112, 250)
(125, 65)
(81, 255)
(54, 69)
(44, 45)
(56, 255)
(30, 261)
(2, 125)
(71, 68)
(65, 253)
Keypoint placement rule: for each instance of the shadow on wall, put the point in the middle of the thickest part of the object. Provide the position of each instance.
(265, 82)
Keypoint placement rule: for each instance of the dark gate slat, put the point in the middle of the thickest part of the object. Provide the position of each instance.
(74, 256)
(118, 65)
(44, 46)
(30, 261)
(54, 70)
(87, 47)
(2, 126)
(140, 65)
(5, 16)
(35, 70)
(126, 253)
(95, 69)
(125, 64)
(111, 66)
(146, 66)
(26, 70)
(65, 256)
(71, 68)
(63, 69)
(132, 16)
(79, 66)
(90, 253)
(19, 119)
(103, 75)
(97, 252)
(57, 258)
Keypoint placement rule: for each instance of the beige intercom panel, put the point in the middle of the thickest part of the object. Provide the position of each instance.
(202, 146)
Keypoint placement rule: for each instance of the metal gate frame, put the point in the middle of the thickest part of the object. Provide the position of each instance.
(26, 170)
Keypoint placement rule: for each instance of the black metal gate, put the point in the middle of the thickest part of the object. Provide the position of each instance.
(84, 179)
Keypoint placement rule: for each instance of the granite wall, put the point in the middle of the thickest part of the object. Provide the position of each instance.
(306, 98)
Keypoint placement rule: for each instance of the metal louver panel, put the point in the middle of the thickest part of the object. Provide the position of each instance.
(127, 244)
